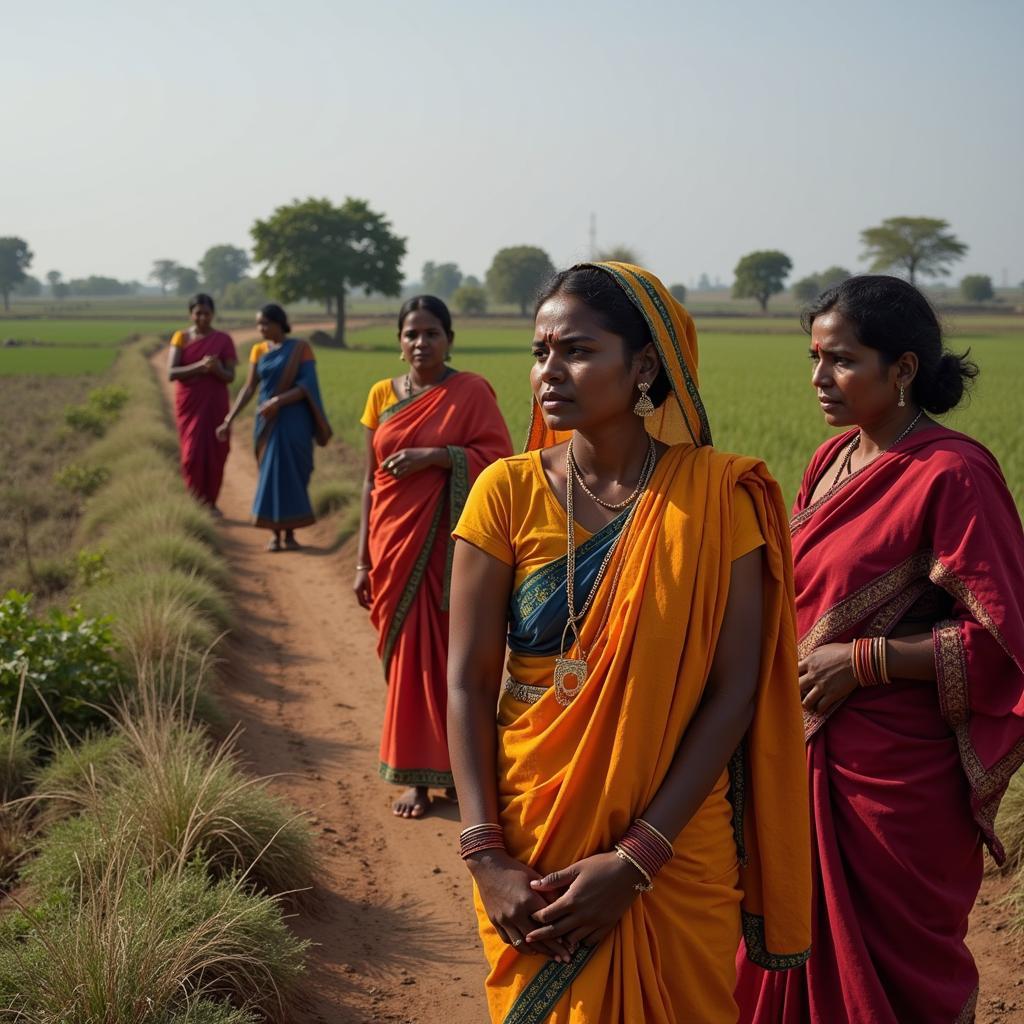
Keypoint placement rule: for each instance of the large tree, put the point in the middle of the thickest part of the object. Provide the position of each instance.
(164, 272)
(312, 249)
(55, 279)
(807, 288)
(516, 274)
(186, 281)
(441, 279)
(15, 259)
(470, 299)
(831, 276)
(222, 265)
(914, 245)
(760, 275)
(977, 288)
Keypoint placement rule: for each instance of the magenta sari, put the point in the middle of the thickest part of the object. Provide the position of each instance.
(905, 779)
(200, 405)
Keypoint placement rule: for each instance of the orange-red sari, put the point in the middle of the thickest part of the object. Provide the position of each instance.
(410, 552)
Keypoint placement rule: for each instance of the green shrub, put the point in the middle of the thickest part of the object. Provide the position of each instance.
(91, 568)
(110, 399)
(83, 480)
(85, 420)
(67, 662)
(139, 949)
(51, 575)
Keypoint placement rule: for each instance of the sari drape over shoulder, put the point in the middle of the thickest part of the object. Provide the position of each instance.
(410, 552)
(284, 442)
(200, 405)
(905, 780)
(571, 779)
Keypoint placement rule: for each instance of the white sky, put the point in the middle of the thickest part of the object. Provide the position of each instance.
(131, 131)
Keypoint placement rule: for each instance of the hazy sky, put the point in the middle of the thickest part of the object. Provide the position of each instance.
(695, 132)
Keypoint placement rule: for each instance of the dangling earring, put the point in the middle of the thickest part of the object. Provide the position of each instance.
(644, 406)
(401, 356)
(903, 398)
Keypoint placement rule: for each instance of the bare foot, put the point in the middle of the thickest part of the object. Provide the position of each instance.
(413, 803)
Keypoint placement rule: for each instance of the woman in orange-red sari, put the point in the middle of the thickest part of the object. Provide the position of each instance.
(201, 362)
(429, 433)
(908, 553)
(639, 803)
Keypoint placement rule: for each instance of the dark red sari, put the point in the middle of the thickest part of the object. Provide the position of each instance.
(905, 779)
(200, 405)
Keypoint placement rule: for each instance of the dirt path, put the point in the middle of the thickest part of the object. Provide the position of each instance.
(391, 917)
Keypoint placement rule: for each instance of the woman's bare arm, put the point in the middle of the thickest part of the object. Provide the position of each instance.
(361, 585)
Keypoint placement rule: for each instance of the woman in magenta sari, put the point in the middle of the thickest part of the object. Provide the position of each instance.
(201, 362)
(909, 577)
(429, 433)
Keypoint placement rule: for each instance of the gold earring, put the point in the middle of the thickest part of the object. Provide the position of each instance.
(644, 406)
(903, 397)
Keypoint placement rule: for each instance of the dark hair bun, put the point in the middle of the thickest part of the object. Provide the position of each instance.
(944, 388)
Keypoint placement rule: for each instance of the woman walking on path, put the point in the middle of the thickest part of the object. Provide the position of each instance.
(640, 801)
(909, 582)
(201, 362)
(429, 433)
(290, 416)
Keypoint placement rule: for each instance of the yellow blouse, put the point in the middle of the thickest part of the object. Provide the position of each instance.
(513, 515)
(382, 396)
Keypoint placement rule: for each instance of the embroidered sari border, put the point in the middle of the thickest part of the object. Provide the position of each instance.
(416, 776)
(543, 582)
(412, 585)
(549, 984)
(458, 492)
(404, 403)
(757, 947)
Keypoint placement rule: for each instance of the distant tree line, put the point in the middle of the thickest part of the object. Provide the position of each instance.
(312, 249)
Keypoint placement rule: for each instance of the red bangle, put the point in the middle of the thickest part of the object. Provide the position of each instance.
(487, 836)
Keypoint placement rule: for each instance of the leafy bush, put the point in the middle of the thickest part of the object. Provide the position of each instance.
(84, 419)
(91, 568)
(110, 399)
(67, 663)
(83, 480)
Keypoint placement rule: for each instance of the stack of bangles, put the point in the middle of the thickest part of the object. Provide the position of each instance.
(868, 661)
(646, 849)
(480, 837)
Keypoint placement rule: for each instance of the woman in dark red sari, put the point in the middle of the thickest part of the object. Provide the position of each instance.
(429, 433)
(201, 362)
(909, 578)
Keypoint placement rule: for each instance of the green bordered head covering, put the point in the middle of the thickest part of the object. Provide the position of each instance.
(681, 418)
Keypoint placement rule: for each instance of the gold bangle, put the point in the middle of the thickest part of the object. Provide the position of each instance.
(645, 886)
(363, 568)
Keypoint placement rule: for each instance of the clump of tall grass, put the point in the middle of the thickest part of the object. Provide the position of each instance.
(77, 773)
(183, 796)
(170, 551)
(138, 948)
(333, 495)
(1010, 826)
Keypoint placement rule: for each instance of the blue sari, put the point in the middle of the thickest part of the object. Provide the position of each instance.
(284, 443)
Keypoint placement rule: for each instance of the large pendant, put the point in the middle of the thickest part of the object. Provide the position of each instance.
(569, 668)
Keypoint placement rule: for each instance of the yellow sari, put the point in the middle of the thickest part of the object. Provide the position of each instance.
(572, 779)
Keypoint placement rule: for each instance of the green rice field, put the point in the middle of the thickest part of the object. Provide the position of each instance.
(756, 387)
(56, 361)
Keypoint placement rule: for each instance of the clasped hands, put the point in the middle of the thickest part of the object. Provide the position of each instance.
(552, 915)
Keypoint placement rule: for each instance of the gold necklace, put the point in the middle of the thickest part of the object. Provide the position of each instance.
(613, 506)
(845, 465)
(577, 667)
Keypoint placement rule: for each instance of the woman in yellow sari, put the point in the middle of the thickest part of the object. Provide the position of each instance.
(649, 805)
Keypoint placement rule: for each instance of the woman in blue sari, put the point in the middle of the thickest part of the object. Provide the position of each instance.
(289, 418)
